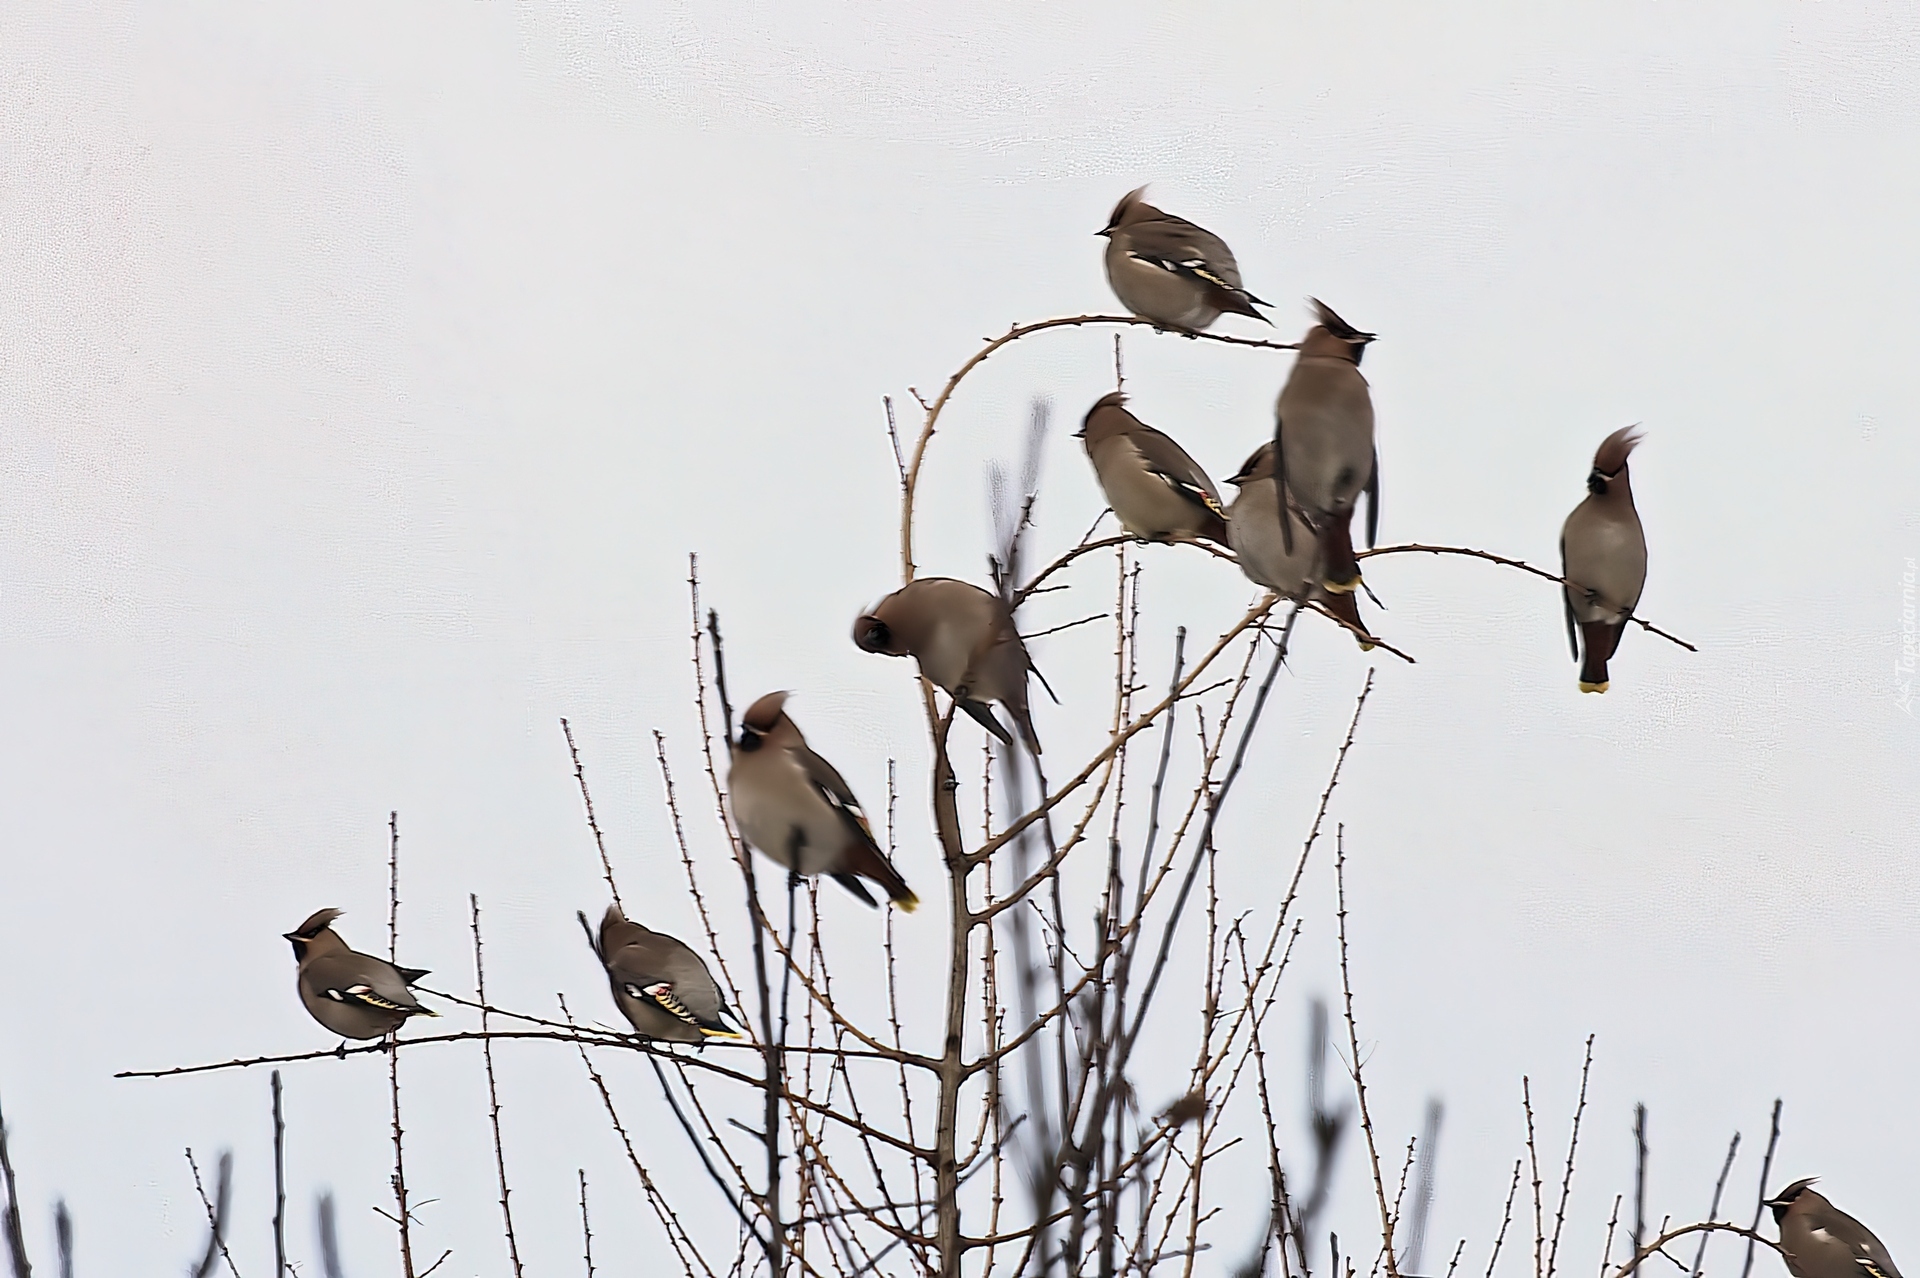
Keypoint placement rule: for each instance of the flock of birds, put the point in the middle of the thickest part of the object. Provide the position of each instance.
(1289, 528)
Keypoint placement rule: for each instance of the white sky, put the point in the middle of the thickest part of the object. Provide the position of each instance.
(367, 373)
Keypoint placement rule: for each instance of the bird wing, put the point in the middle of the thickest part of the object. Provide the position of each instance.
(1177, 245)
(1566, 597)
(1182, 473)
(1867, 1251)
(1282, 493)
(833, 788)
(362, 979)
(852, 883)
(1373, 500)
(661, 994)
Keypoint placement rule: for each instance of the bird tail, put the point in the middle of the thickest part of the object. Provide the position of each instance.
(1347, 608)
(1240, 302)
(982, 714)
(1598, 639)
(1214, 530)
(873, 864)
(1024, 718)
(1340, 571)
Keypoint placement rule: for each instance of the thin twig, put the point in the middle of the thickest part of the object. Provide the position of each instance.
(63, 1237)
(216, 1209)
(1353, 1043)
(493, 1091)
(1533, 1163)
(580, 776)
(329, 1237)
(1713, 1209)
(1573, 1144)
(1054, 630)
(676, 1233)
(402, 1218)
(1760, 1200)
(1013, 334)
(279, 1184)
(1639, 1174)
(1658, 1245)
(1506, 1217)
(586, 1224)
(16, 1241)
(1521, 564)
(893, 437)
(1613, 1222)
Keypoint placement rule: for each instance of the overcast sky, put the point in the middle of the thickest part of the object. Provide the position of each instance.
(367, 373)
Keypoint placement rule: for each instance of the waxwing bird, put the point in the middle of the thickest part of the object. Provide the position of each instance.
(1603, 556)
(791, 804)
(1821, 1241)
(1159, 493)
(661, 986)
(1165, 269)
(1287, 562)
(1323, 436)
(352, 994)
(966, 644)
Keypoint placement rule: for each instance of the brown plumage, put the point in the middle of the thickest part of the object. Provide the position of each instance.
(1821, 1241)
(1285, 561)
(1165, 269)
(659, 984)
(1323, 439)
(965, 642)
(354, 995)
(1603, 556)
(1158, 492)
(791, 805)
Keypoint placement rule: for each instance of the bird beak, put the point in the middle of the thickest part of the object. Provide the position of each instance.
(292, 936)
(1103, 234)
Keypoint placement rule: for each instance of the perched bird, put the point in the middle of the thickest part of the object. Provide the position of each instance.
(1159, 493)
(661, 986)
(966, 644)
(354, 995)
(1165, 269)
(1603, 556)
(1323, 434)
(791, 804)
(1821, 1241)
(1287, 562)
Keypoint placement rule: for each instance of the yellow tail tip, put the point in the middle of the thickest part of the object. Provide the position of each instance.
(428, 1011)
(710, 1032)
(908, 903)
(1592, 687)
(1342, 587)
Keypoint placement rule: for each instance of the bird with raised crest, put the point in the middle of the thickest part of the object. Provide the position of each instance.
(793, 806)
(965, 642)
(1603, 556)
(352, 994)
(1156, 490)
(1165, 269)
(1821, 1241)
(659, 984)
(1323, 443)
